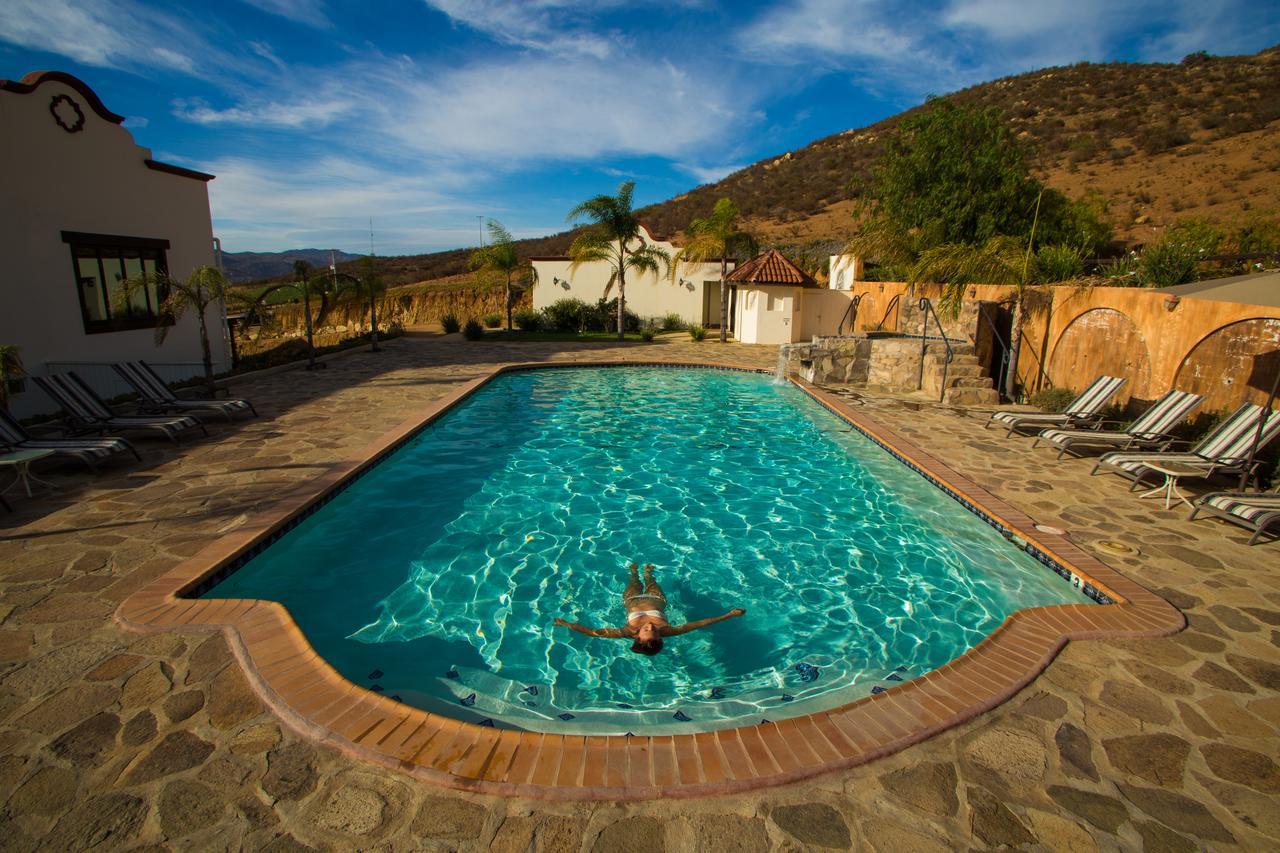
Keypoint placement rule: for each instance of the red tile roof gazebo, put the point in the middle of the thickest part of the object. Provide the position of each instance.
(771, 267)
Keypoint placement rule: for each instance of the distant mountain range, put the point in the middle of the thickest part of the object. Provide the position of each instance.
(250, 266)
(1160, 142)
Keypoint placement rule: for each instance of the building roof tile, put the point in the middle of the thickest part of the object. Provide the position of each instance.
(772, 267)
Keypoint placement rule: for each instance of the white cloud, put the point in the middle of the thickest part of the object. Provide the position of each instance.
(313, 113)
(549, 25)
(710, 174)
(136, 122)
(309, 12)
(90, 32)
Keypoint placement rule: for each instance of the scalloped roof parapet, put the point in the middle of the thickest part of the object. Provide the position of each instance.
(32, 80)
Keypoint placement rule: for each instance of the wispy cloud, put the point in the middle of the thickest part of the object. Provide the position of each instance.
(709, 174)
(554, 26)
(89, 32)
(309, 12)
(312, 113)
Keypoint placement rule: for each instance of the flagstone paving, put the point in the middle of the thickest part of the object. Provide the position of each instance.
(120, 741)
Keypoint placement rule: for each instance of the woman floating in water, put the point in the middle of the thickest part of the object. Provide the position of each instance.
(646, 621)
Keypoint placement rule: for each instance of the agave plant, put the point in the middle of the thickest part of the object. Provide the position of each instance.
(716, 237)
(613, 237)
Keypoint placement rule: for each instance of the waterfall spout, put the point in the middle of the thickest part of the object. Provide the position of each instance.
(784, 356)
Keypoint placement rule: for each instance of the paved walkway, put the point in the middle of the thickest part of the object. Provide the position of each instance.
(121, 741)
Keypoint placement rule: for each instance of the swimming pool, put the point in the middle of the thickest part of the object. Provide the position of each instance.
(435, 577)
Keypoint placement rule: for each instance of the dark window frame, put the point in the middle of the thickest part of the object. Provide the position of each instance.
(111, 247)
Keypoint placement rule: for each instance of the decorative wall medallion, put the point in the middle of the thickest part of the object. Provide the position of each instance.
(67, 113)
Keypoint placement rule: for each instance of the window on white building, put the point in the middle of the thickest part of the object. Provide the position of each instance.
(102, 263)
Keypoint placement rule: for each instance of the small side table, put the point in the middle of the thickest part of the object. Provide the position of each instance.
(1169, 488)
(20, 461)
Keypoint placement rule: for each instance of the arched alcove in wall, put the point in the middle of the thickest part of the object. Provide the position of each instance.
(1236, 362)
(1102, 341)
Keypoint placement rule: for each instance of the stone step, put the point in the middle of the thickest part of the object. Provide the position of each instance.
(954, 369)
(971, 397)
(956, 349)
(969, 382)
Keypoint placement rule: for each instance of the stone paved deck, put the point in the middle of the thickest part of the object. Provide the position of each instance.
(118, 740)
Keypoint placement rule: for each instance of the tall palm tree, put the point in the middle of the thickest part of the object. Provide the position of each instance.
(717, 236)
(613, 236)
(204, 287)
(363, 290)
(304, 286)
(499, 258)
(10, 369)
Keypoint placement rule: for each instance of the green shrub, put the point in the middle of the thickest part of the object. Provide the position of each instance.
(647, 335)
(473, 331)
(1159, 139)
(492, 321)
(1053, 399)
(565, 315)
(603, 317)
(527, 321)
(1059, 263)
(450, 324)
(673, 322)
(1167, 263)
(697, 333)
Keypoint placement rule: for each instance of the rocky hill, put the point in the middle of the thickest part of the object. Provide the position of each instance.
(1160, 142)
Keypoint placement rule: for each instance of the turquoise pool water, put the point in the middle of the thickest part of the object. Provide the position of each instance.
(436, 576)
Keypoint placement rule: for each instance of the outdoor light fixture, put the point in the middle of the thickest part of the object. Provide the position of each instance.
(1171, 301)
(686, 283)
(561, 282)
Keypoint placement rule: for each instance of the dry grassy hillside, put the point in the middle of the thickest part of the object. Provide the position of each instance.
(1160, 142)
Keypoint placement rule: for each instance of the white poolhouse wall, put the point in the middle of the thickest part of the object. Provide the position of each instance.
(769, 314)
(694, 293)
(846, 270)
(93, 179)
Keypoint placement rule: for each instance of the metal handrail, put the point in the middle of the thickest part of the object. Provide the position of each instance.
(1005, 350)
(888, 308)
(927, 307)
(850, 314)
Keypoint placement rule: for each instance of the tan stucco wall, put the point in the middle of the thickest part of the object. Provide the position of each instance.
(94, 181)
(1200, 345)
(647, 295)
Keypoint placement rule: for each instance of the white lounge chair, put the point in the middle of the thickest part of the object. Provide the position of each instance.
(1084, 409)
(1149, 431)
(1225, 450)
(1257, 511)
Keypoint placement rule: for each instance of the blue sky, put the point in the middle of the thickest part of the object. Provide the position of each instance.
(424, 114)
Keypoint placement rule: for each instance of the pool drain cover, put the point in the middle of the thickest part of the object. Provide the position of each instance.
(1116, 547)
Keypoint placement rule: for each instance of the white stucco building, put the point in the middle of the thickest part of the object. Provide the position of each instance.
(82, 208)
(693, 293)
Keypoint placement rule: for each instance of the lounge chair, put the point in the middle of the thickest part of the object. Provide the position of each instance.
(1149, 431)
(156, 398)
(1225, 450)
(1257, 511)
(1084, 409)
(86, 412)
(90, 451)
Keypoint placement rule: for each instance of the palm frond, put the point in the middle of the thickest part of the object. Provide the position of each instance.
(591, 245)
(648, 259)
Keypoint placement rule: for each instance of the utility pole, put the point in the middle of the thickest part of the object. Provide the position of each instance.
(480, 224)
(371, 253)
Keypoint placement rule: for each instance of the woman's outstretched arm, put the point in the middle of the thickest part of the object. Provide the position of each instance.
(672, 630)
(609, 633)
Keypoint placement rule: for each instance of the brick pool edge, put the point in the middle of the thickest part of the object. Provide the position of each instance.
(311, 697)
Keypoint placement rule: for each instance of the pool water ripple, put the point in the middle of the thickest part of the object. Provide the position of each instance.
(443, 567)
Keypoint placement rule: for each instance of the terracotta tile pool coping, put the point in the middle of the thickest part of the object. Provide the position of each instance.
(313, 698)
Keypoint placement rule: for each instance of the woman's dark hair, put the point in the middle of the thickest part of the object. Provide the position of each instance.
(650, 648)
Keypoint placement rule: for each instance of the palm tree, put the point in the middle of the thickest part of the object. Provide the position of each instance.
(10, 369)
(717, 236)
(498, 258)
(613, 236)
(204, 287)
(304, 286)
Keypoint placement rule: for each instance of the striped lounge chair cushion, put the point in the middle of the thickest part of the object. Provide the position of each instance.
(1086, 405)
(1251, 506)
(1156, 421)
(169, 426)
(1096, 436)
(86, 448)
(80, 401)
(228, 407)
(1227, 446)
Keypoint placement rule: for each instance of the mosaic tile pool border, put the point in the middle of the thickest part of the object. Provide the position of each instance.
(313, 698)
